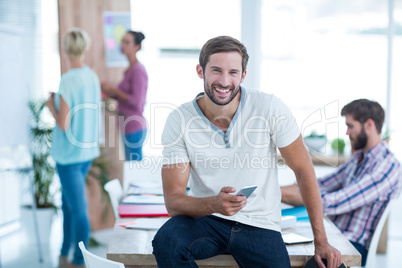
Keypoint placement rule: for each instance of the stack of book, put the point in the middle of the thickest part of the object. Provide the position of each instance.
(143, 201)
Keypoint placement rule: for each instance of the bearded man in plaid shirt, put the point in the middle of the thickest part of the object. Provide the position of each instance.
(355, 196)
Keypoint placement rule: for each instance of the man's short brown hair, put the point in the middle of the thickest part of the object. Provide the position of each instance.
(223, 44)
(364, 109)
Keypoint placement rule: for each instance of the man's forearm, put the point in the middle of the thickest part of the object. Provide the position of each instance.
(297, 158)
(311, 197)
(190, 206)
(225, 203)
(291, 195)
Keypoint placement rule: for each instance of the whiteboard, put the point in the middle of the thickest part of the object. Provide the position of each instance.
(14, 95)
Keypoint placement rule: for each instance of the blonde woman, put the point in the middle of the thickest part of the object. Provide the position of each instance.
(75, 141)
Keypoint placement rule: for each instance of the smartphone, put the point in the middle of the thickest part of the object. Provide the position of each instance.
(247, 191)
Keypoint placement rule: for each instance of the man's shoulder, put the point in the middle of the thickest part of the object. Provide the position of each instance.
(257, 95)
(262, 98)
(390, 157)
(381, 152)
(258, 101)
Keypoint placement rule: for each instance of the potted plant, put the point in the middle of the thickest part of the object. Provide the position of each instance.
(338, 145)
(43, 170)
(386, 136)
(315, 141)
(41, 173)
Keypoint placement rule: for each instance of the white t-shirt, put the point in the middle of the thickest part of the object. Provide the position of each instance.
(245, 155)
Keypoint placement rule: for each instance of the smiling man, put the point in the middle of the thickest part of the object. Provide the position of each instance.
(223, 140)
(355, 196)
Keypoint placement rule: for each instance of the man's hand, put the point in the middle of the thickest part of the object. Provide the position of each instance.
(175, 180)
(227, 203)
(329, 253)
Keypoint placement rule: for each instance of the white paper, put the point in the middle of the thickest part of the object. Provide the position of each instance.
(147, 190)
(144, 199)
(147, 223)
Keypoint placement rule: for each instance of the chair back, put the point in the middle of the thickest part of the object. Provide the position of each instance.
(372, 251)
(94, 261)
(115, 192)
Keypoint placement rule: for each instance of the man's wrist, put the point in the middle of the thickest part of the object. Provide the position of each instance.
(211, 204)
(320, 241)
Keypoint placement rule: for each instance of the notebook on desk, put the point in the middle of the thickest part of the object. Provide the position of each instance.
(299, 212)
(143, 211)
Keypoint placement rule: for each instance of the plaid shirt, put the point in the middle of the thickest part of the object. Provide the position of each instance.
(355, 196)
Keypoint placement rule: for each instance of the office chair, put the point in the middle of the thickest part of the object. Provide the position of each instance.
(371, 254)
(94, 261)
(372, 251)
(115, 192)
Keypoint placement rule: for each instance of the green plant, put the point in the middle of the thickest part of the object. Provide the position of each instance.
(98, 171)
(338, 145)
(43, 168)
(314, 134)
(386, 135)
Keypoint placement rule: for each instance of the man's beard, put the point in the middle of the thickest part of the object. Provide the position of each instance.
(210, 93)
(361, 140)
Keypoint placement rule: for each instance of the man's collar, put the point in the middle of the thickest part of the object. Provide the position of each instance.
(374, 152)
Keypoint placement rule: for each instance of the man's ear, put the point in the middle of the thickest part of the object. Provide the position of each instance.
(243, 76)
(370, 125)
(200, 71)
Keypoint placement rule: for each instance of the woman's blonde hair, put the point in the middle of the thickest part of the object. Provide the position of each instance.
(76, 42)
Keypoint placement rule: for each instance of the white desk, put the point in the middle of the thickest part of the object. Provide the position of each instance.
(134, 247)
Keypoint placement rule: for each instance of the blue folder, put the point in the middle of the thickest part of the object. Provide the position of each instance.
(299, 212)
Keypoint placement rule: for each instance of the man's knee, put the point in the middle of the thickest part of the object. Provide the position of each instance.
(169, 238)
(160, 248)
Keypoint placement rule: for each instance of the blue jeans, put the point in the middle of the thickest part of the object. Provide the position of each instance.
(133, 145)
(362, 250)
(182, 239)
(74, 206)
